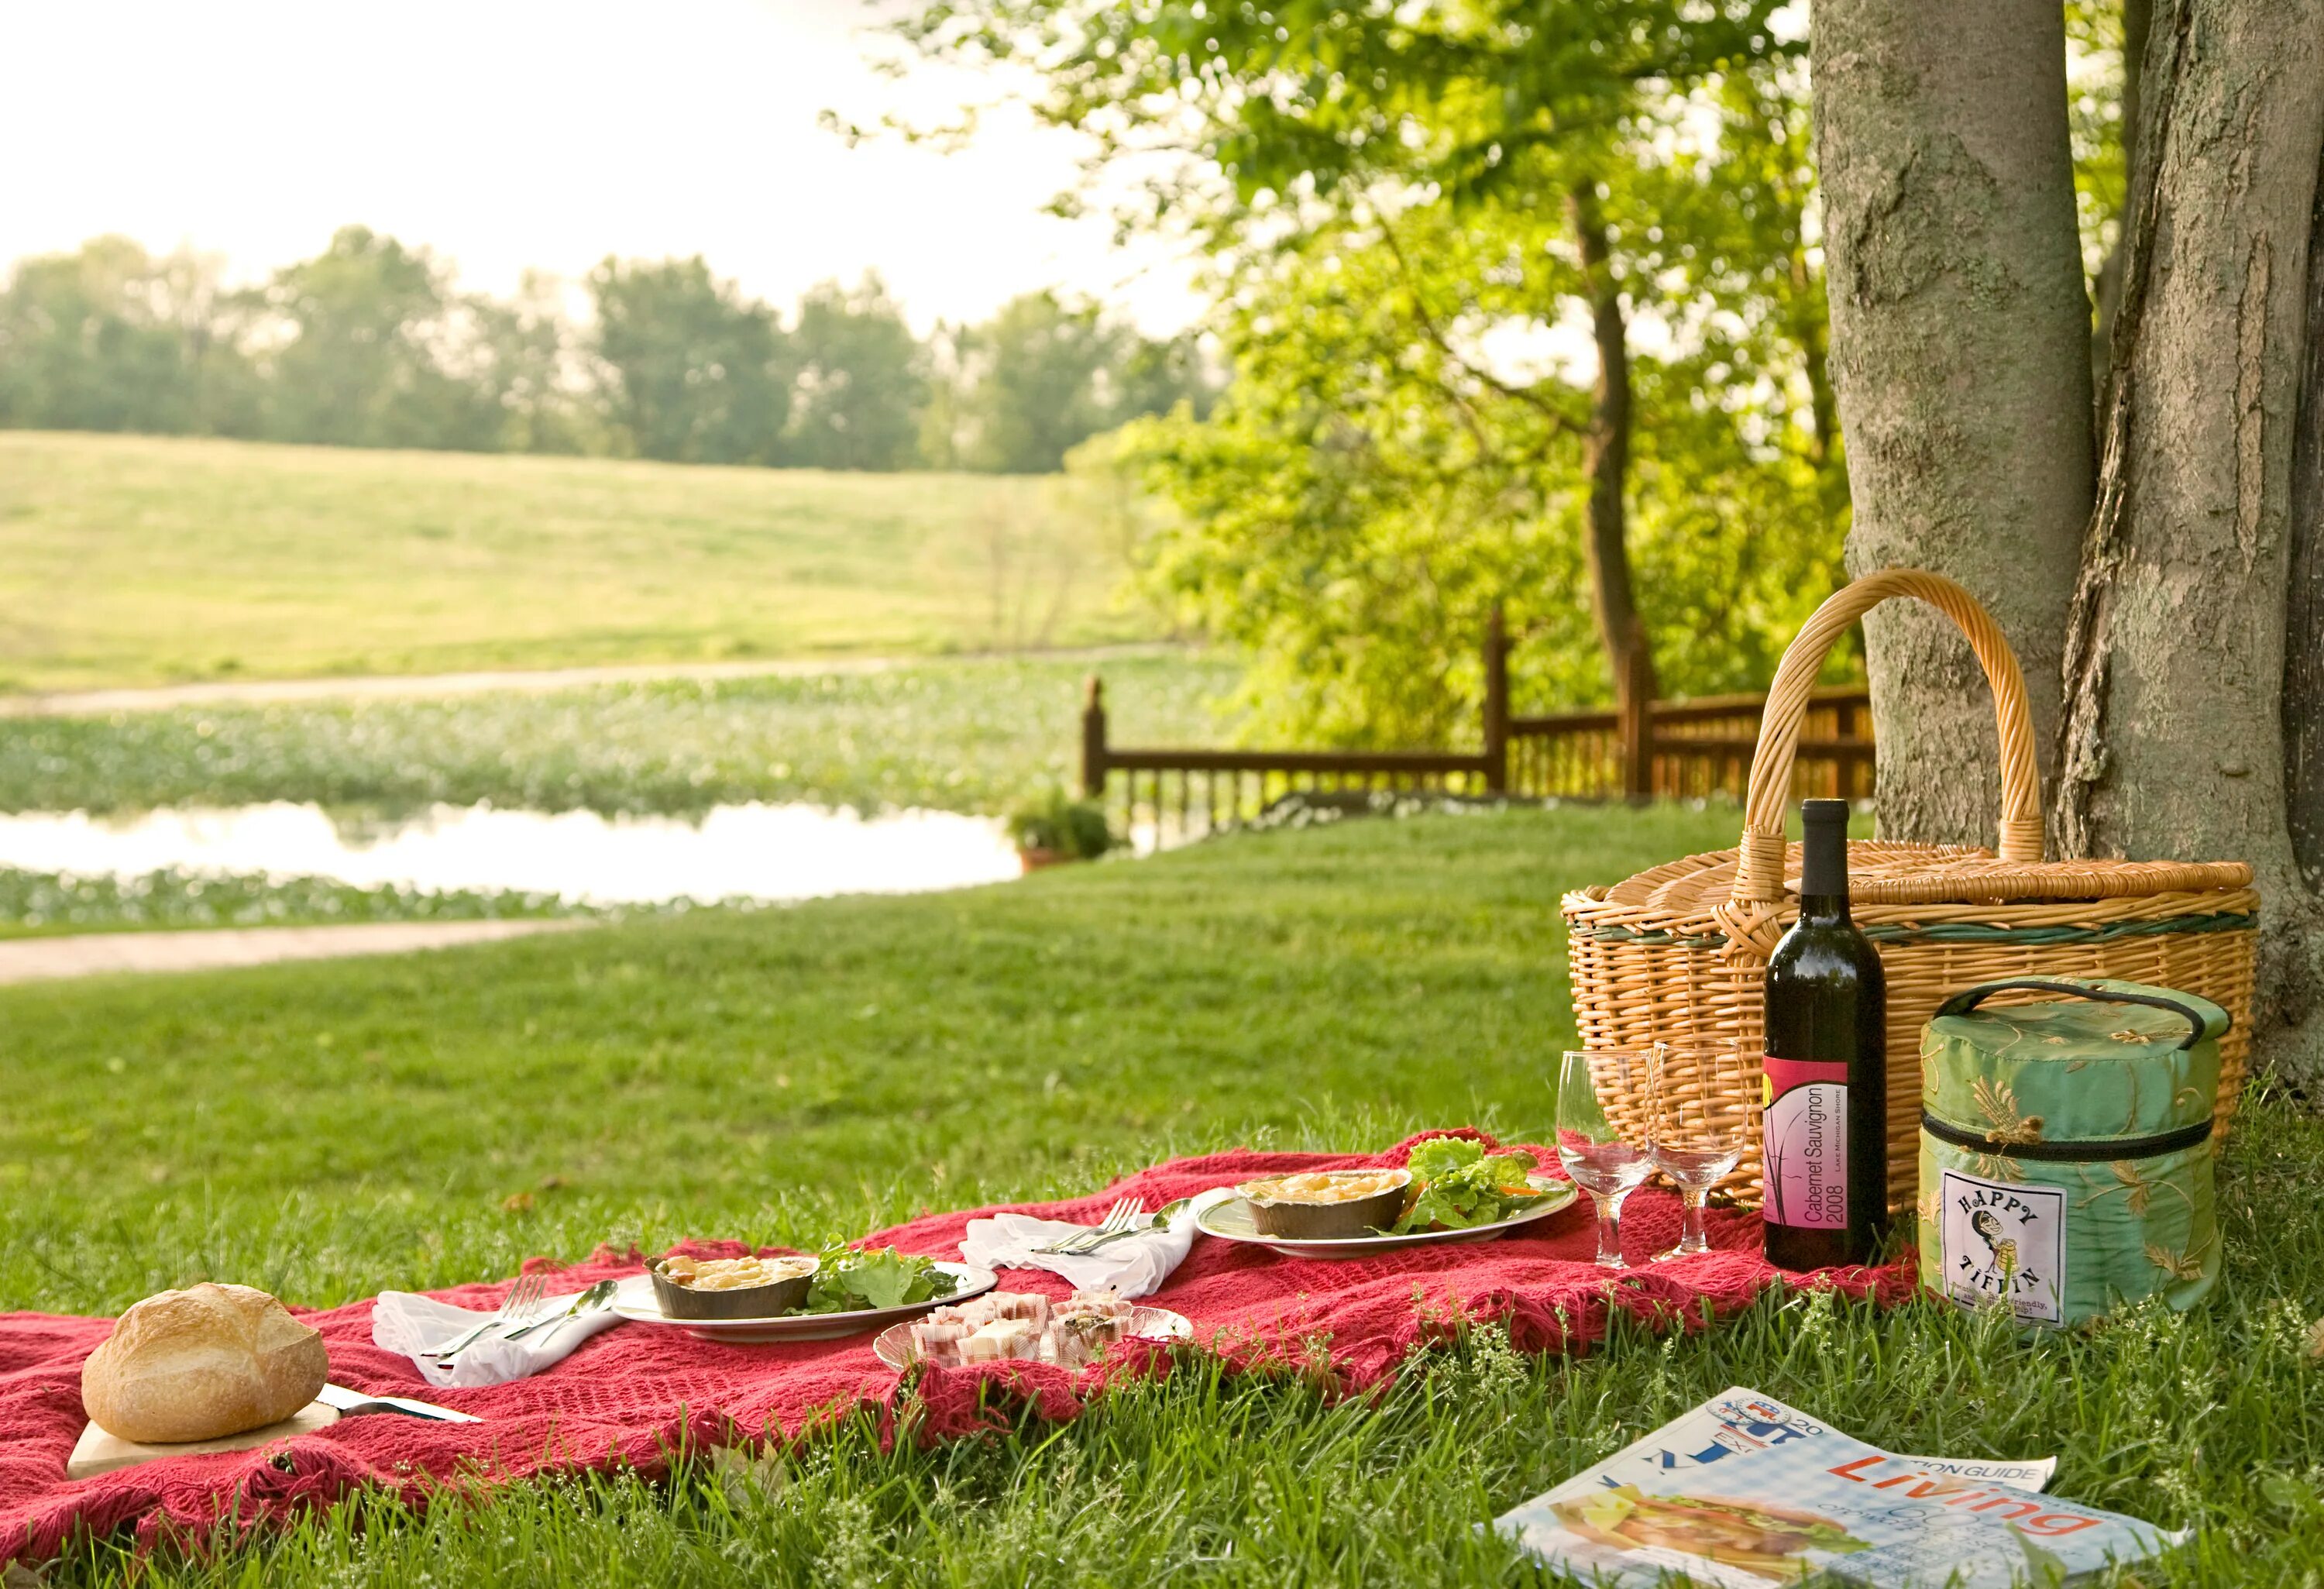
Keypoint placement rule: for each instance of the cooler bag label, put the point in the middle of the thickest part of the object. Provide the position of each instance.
(1803, 1139)
(2004, 1242)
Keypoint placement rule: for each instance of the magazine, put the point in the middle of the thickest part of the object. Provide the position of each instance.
(1738, 1421)
(1743, 1492)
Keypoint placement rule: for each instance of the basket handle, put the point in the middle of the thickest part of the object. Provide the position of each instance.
(1760, 879)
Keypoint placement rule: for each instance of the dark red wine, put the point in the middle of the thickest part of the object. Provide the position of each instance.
(1824, 1132)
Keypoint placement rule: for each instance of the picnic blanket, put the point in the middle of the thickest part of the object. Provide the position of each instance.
(636, 1396)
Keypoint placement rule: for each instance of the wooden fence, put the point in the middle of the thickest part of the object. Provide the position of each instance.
(1671, 749)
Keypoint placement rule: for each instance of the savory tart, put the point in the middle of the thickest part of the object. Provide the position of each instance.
(731, 1288)
(1327, 1205)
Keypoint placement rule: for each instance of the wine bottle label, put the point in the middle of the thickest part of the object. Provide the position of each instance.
(1803, 1138)
(2004, 1242)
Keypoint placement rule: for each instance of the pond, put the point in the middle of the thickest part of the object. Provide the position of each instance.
(754, 851)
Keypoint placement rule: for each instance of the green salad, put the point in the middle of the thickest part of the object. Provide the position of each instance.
(1459, 1185)
(851, 1279)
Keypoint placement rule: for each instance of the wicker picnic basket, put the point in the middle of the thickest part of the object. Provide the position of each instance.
(1678, 954)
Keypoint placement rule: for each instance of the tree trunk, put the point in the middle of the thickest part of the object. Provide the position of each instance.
(1959, 357)
(1606, 460)
(2304, 626)
(2137, 19)
(2177, 660)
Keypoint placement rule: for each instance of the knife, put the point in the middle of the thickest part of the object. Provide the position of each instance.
(354, 1403)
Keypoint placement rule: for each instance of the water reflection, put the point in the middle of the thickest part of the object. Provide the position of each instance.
(755, 851)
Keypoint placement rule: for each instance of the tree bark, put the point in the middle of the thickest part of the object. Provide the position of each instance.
(2303, 627)
(1959, 357)
(1606, 460)
(2177, 663)
(2138, 20)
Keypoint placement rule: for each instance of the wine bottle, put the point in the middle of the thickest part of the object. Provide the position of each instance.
(1825, 1124)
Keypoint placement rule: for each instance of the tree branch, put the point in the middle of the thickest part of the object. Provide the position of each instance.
(1526, 394)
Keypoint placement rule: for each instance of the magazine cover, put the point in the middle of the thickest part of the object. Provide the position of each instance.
(1738, 1421)
(1819, 1506)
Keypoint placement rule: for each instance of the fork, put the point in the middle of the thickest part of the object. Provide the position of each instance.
(1122, 1216)
(523, 1304)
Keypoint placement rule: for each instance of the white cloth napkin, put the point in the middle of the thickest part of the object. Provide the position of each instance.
(1134, 1266)
(406, 1322)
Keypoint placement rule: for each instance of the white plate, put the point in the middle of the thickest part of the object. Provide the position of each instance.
(634, 1300)
(1145, 1324)
(1232, 1221)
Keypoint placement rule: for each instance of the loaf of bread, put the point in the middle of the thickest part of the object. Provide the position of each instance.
(199, 1364)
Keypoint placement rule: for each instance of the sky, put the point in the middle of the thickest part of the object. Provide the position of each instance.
(508, 134)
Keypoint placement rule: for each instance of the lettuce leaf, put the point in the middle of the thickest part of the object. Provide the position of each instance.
(1461, 1186)
(879, 1277)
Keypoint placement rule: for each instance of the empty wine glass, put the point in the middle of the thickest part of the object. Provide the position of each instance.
(1695, 1128)
(1601, 1158)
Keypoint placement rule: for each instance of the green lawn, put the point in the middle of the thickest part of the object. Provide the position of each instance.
(961, 734)
(140, 559)
(325, 1130)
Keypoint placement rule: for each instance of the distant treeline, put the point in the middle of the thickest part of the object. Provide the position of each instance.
(369, 344)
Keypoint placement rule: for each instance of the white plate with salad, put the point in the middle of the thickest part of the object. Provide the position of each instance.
(853, 1290)
(1451, 1190)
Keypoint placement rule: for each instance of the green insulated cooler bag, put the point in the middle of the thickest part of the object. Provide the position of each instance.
(2066, 1148)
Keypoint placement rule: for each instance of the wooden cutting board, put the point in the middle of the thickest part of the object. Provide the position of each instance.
(100, 1452)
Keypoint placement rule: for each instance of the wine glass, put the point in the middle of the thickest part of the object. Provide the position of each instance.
(1694, 1128)
(1593, 1151)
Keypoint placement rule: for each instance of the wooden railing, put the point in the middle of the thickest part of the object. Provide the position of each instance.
(1687, 749)
(1695, 748)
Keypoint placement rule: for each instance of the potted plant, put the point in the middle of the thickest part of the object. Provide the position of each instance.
(1056, 828)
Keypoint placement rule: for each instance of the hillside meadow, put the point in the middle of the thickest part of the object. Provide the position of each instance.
(128, 560)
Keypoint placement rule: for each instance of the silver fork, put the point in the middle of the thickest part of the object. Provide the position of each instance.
(523, 1304)
(1119, 1218)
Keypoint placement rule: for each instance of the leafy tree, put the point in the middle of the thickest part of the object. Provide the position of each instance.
(696, 372)
(110, 338)
(1369, 488)
(365, 329)
(1045, 373)
(1035, 386)
(862, 381)
(1471, 172)
(522, 354)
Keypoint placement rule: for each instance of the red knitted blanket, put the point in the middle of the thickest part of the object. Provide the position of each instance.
(632, 1396)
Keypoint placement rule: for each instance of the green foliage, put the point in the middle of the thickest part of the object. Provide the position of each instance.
(333, 1129)
(111, 339)
(357, 363)
(368, 344)
(1388, 192)
(1062, 826)
(35, 904)
(862, 381)
(1043, 374)
(699, 372)
(965, 735)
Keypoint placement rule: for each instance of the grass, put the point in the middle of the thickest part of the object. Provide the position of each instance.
(47, 904)
(331, 1129)
(181, 559)
(964, 733)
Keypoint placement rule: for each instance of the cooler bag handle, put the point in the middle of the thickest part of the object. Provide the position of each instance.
(2207, 1019)
(1759, 876)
